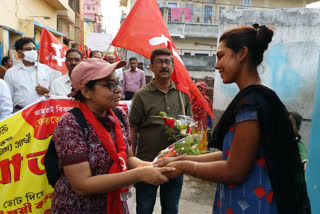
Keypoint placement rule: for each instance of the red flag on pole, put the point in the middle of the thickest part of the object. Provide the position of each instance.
(153, 32)
(80, 48)
(88, 51)
(116, 55)
(52, 51)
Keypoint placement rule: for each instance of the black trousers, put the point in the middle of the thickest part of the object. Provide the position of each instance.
(128, 95)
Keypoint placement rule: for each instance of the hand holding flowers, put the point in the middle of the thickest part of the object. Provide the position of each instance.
(183, 132)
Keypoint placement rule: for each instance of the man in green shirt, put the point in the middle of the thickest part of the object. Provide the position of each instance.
(159, 95)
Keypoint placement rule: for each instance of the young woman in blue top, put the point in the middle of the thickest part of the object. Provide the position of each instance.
(258, 170)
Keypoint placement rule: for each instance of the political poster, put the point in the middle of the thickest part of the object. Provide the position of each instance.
(24, 139)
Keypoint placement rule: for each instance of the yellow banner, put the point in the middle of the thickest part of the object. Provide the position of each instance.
(24, 139)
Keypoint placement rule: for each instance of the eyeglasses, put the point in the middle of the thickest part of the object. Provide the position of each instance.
(112, 85)
(160, 62)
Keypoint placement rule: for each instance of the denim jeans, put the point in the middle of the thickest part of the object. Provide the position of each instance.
(146, 195)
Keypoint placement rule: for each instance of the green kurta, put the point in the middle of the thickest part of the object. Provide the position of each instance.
(150, 101)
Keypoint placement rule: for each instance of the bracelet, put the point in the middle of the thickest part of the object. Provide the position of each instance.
(195, 169)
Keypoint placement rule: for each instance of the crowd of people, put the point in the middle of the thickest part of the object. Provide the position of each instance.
(28, 79)
(260, 162)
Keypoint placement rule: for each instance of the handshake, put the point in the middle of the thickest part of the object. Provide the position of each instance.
(170, 162)
(160, 171)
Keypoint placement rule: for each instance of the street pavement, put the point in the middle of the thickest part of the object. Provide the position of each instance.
(196, 198)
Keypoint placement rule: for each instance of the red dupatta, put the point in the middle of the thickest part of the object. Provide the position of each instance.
(114, 203)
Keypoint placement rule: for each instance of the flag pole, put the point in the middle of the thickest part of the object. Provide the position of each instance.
(37, 70)
(106, 51)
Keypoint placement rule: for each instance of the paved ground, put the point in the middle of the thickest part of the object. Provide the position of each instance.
(196, 198)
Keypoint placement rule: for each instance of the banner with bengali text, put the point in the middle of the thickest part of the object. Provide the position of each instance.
(24, 139)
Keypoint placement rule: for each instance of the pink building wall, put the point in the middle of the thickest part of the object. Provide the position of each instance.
(92, 11)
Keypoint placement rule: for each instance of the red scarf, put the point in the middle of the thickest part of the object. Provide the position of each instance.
(114, 203)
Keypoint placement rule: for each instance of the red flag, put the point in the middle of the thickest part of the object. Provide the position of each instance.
(80, 48)
(52, 51)
(88, 51)
(116, 55)
(153, 32)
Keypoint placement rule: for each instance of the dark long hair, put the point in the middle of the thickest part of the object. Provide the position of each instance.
(256, 39)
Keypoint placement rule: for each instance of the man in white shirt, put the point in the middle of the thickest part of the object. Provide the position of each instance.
(112, 59)
(5, 100)
(62, 85)
(26, 84)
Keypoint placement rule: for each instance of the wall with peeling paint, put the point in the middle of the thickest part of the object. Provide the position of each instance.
(313, 172)
(291, 62)
(290, 68)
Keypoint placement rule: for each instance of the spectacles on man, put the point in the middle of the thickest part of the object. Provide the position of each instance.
(112, 85)
(30, 49)
(160, 62)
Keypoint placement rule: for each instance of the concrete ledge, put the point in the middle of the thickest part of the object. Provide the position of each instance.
(193, 30)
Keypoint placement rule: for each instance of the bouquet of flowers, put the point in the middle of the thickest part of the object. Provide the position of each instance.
(177, 128)
(183, 131)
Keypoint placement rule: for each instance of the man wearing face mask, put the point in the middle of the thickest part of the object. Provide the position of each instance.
(25, 83)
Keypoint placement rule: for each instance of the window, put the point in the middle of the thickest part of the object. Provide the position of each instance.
(201, 54)
(220, 10)
(246, 3)
(173, 4)
(212, 1)
(191, 8)
(207, 14)
(187, 54)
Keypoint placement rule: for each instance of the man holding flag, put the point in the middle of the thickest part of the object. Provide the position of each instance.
(143, 38)
(28, 80)
(52, 51)
(160, 95)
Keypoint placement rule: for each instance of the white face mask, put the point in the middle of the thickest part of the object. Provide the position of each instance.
(30, 56)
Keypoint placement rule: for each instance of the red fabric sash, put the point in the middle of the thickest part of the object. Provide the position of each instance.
(114, 203)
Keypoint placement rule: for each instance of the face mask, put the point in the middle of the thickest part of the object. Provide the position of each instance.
(30, 56)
